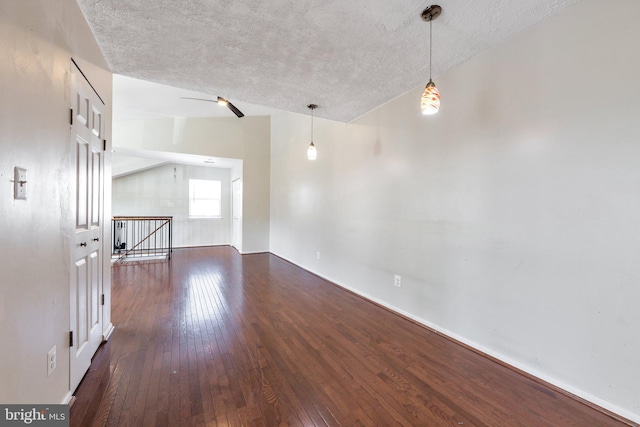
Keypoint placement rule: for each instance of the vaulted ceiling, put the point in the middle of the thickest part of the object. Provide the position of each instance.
(348, 57)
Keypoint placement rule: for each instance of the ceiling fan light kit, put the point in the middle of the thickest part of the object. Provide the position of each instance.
(430, 102)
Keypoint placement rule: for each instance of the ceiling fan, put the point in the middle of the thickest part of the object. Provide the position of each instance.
(221, 101)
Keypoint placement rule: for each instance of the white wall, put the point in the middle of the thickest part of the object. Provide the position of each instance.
(38, 39)
(125, 165)
(512, 215)
(155, 192)
(246, 139)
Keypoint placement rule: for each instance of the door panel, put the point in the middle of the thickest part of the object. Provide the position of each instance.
(96, 122)
(82, 275)
(86, 247)
(82, 107)
(94, 296)
(96, 169)
(82, 178)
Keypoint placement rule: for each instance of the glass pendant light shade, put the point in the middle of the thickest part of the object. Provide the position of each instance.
(312, 153)
(430, 103)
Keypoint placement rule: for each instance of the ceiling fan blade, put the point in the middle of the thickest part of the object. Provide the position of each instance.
(200, 99)
(220, 101)
(234, 109)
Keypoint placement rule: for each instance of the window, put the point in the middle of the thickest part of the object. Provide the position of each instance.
(204, 198)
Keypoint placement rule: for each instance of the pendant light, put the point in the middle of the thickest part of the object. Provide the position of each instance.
(312, 153)
(430, 103)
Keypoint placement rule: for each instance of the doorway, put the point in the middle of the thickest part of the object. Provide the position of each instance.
(87, 133)
(236, 214)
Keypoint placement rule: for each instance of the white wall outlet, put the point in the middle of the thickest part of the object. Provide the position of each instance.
(397, 280)
(318, 255)
(51, 361)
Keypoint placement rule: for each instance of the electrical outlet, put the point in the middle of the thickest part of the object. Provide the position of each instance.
(397, 280)
(51, 361)
(318, 255)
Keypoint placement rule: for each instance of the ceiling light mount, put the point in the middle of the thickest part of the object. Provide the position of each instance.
(431, 13)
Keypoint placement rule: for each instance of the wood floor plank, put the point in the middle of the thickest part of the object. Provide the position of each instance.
(213, 338)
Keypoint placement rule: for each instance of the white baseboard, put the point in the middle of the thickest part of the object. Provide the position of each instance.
(107, 332)
(253, 252)
(68, 399)
(505, 359)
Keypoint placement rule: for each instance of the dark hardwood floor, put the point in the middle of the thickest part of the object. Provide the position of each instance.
(219, 339)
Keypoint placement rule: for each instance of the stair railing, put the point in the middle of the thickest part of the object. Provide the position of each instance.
(141, 237)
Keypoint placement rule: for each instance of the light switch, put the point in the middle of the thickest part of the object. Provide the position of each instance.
(20, 183)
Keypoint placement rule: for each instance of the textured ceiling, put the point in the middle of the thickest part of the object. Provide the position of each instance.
(140, 99)
(348, 57)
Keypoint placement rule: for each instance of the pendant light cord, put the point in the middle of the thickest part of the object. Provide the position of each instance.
(430, 44)
(312, 107)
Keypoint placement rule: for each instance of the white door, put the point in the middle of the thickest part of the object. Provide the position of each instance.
(87, 130)
(236, 215)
